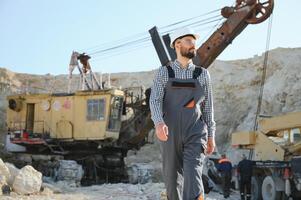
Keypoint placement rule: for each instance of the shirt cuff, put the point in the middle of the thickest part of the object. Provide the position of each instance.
(211, 134)
(158, 121)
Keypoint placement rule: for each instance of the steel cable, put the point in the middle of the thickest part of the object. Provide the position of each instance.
(127, 40)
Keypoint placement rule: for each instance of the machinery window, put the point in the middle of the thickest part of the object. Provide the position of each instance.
(115, 113)
(95, 109)
(296, 135)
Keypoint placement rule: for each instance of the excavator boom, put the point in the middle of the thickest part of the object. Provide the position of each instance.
(238, 18)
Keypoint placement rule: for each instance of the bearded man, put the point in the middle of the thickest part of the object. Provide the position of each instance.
(182, 110)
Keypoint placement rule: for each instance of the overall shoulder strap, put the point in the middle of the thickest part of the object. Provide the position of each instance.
(171, 73)
(197, 72)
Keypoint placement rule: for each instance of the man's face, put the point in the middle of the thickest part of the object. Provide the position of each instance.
(187, 47)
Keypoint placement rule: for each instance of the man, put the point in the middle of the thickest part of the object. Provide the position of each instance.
(182, 111)
(225, 167)
(245, 169)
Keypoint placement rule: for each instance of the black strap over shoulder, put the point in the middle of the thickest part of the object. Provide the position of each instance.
(197, 72)
(171, 73)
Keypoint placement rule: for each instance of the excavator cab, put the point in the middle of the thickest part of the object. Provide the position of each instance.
(114, 123)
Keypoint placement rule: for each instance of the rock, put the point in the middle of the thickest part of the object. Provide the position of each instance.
(70, 171)
(145, 165)
(140, 173)
(14, 194)
(13, 173)
(28, 181)
(46, 191)
(51, 187)
(2, 180)
(6, 190)
(4, 171)
(163, 195)
(2, 183)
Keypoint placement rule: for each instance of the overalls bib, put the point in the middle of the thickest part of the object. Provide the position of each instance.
(183, 152)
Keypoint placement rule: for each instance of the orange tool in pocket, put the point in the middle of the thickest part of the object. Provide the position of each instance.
(201, 197)
(190, 104)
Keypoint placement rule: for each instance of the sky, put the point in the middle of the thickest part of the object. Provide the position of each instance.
(38, 36)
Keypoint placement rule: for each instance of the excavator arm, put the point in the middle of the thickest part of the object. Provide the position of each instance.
(237, 19)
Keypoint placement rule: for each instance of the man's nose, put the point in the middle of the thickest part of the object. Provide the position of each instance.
(193, 45)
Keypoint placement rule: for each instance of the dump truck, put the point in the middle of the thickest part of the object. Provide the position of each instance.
(276, 151)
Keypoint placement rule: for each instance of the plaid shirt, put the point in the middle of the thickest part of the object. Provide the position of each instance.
(157, 94)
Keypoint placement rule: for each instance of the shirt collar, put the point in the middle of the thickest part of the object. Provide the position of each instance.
(178, 65)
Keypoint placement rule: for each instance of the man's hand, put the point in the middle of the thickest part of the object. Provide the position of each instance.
(162, 131)
(210, 145)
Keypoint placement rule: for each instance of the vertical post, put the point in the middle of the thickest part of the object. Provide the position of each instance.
(100, 80)
(109, 80)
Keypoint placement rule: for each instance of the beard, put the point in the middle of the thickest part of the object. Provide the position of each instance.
(188, 53)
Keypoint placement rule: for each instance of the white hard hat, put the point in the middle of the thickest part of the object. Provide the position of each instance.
(181, 33)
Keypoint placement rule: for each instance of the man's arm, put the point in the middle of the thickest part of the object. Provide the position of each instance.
(156, 97)
(156, 102)
(208, 113)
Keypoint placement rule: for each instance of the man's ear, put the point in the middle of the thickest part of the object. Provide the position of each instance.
(177, 43)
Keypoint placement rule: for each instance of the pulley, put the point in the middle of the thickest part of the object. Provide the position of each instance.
(261, 10)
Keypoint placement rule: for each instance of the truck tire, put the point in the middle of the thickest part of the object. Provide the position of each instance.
(268, 189)
(256, 184)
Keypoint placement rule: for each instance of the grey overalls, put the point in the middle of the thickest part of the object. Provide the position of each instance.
(183, 152)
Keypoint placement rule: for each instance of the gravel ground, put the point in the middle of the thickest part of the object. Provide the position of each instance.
(149, 191)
